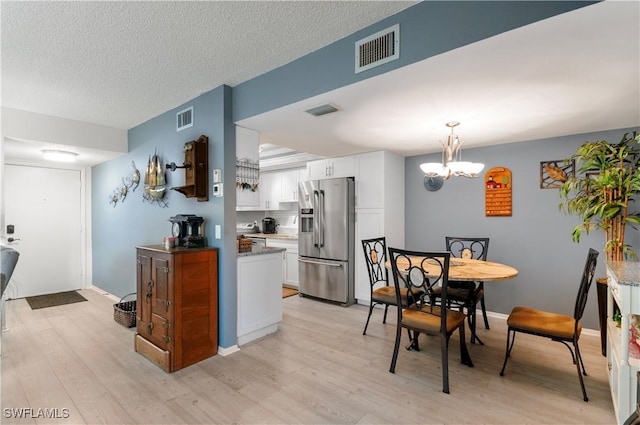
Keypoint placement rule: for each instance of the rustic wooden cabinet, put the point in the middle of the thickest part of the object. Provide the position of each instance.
(177, 307)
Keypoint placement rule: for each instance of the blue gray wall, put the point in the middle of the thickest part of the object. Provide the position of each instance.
(427, 29)
(117, 230)
(536, 239)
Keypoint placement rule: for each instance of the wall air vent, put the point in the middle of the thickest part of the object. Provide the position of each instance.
(322, 110)
(184, 119)
(379, 48)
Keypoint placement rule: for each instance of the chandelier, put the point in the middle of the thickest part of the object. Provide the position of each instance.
(451, 160)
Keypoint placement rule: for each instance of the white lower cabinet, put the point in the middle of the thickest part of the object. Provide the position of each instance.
(259, 295)
(290, 262)
(623, 288)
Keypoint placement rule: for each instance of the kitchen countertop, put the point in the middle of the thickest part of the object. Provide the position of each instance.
(261, 251)
(625, 272)
(272, 236)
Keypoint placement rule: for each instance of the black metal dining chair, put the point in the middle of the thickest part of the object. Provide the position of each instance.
(557, 327)
(464, 294)
(380, 292)
(409, 270)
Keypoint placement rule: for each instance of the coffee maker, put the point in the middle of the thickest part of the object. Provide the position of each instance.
(268, 225)
(188, 229)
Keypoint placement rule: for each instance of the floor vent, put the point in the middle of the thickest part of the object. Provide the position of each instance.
(321, 110)
(379, 48)
(184, 119)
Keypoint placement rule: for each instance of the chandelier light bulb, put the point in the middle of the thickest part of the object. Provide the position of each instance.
(451, 163)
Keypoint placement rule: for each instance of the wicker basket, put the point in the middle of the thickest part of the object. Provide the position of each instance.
(124, 312)
(244, 245)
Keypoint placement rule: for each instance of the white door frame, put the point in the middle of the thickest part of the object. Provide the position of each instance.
(85, 214)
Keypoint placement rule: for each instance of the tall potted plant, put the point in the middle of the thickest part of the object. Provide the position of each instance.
(608, 178)
(600, 192)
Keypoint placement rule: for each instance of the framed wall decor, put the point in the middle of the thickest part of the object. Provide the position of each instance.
(498, 185)
(554, 173)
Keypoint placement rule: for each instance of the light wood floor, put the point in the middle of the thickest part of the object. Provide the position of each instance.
(317, 369)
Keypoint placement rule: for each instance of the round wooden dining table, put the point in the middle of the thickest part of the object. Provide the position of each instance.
(465, 269)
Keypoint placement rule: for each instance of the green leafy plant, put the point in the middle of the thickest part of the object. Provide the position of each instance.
(600, 192)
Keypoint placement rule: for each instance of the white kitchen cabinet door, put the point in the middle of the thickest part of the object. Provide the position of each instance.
(317, 170)
(291, 274)
(270, 191)
(290, 260)
(289, 185)
(344, 166)
(259, 296)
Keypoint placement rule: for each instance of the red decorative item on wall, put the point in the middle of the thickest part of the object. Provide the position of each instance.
(497, 192)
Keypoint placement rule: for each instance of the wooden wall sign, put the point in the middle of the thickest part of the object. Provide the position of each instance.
(497, 192)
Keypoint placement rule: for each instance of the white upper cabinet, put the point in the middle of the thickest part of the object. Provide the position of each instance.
(289, 184)
(270, 185)
(247, 170)
(345, 166)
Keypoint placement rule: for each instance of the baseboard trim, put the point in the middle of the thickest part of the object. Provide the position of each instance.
(103, 292)
(226, 351)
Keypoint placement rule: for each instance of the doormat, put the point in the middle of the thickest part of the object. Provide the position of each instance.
(287, 292)
(52, 300)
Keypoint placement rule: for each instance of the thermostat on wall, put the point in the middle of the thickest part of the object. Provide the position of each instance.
(217, 189)
(217, 175)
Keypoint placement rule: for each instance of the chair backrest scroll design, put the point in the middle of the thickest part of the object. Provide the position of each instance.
(420, 273)
(375, 257)
(475, 248)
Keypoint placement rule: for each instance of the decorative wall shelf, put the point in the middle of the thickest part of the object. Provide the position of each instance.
(196, 169)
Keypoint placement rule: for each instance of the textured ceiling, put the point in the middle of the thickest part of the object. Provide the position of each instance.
(119, 64)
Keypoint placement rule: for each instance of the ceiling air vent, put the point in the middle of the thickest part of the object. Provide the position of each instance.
(321, 110)
(184, 119)
(379, 48)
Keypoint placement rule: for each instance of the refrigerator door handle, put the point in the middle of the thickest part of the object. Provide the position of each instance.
(316, 196)
(321, 263)
(321, 229)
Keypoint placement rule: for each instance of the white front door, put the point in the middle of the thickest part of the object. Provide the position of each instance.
(44, 207)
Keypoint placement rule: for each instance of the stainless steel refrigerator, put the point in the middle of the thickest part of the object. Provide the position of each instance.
(326, 233)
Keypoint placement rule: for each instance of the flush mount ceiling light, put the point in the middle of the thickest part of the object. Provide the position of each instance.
(59, 155)
(451, 160)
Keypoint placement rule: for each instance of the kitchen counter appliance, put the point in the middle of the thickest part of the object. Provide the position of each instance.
(269, 225)
(188, 229)
(326, 236)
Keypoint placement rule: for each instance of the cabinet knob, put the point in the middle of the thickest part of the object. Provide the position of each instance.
(150, 328)
(609, 365)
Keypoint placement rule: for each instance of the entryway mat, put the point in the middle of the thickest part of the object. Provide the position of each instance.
(52, 300)
(287, 292)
